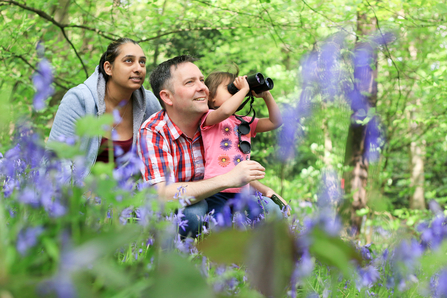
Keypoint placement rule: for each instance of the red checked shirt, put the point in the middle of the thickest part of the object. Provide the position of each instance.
(167, 153)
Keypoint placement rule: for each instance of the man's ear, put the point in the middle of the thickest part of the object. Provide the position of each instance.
(166, 96)
(108, 68)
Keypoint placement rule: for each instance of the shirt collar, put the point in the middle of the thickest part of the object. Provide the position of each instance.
(175, 131)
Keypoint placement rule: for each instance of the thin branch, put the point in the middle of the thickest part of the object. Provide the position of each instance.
(327, 18)
(184, 30)
(76, 52)
(389, 54)
(55, 81)
(50, 19)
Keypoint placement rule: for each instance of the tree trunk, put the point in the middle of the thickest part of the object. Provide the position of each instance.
(417, 199)
(356, 179)
(417, 152)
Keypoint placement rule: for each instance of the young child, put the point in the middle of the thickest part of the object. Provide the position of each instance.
(222, 137)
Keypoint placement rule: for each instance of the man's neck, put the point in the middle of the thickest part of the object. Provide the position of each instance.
(188, 125)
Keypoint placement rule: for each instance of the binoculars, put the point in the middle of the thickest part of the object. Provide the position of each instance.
(257, 83)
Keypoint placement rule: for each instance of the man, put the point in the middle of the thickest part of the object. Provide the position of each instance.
(170, 144)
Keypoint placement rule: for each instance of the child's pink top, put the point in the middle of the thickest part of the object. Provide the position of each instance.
(220, 142)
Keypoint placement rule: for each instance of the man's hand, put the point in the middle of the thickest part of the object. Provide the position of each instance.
(245, 172)
(269, 193)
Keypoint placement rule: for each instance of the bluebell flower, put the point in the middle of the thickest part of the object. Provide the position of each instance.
(374, 140)
(368, 276)
(329, 66)
(305, 265)
(204, 269)
(61, 285)
(438, 284)
(383, 38)
(27, 238)
(366, 252)
(435, 208)
(29, 196)
(42, 79)
(330, 192)
(182, 224)
(287, 134)
(125, 215)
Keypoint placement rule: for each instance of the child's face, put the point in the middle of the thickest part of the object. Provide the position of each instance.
(222, 94)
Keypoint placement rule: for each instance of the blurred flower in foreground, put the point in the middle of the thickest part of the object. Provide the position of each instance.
(42, 79)
(27, 238)
(438, 284)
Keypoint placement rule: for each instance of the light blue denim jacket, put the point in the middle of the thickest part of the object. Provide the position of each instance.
(88, 99)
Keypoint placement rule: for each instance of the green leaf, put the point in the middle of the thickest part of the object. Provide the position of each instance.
(175, 276)
(333, 251)
(227, 247)
(64, 150)
(271, 258)
(51, 248)
(93, 126)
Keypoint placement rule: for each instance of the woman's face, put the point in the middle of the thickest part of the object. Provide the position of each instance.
(222, 95)
(129, 68)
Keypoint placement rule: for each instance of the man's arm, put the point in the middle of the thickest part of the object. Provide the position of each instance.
(245, 172)
(275, 119)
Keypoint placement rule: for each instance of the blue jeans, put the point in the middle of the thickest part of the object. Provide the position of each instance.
(195, 213)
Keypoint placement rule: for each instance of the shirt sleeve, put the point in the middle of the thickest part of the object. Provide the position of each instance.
(154, 152)
(253, 126)
(202, 121)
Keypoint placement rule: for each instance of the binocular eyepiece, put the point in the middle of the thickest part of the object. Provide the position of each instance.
(257, 83)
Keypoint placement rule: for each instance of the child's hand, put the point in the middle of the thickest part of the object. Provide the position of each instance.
(265, 95)
(241, 83)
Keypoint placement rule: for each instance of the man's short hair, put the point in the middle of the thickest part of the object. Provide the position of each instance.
(161, 76)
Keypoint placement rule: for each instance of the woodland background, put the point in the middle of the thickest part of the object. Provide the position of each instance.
(272, 37)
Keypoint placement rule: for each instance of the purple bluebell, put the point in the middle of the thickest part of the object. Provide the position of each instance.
(27, 238)
(329, 66)
(287, 134)
(116, 117)
(30, 197)
(434, 233)
(185, 245)
(305, 265)
(366, 252)
(182, 224)
(42, 79)
(204, 268)
(224, 219)
(438, 284)
(57, 209)
(435, 208)
(125, 215)
(374, 140)
(367, 277)
(384, 38)
(330, 192)
(61, 285)
(313, 295)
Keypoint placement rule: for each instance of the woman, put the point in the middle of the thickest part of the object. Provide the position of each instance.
(115, 84)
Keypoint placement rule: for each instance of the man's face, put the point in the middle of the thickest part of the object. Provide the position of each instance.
(189, 94)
